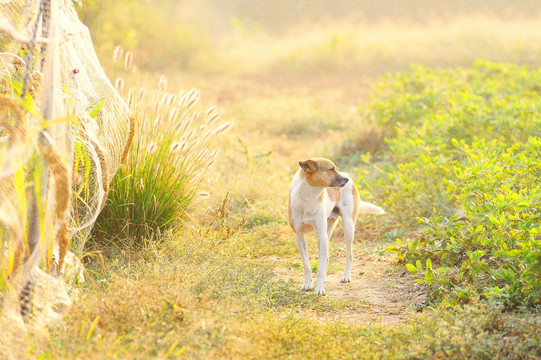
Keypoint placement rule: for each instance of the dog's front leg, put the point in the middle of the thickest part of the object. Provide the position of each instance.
(303, 250)
(323, 242)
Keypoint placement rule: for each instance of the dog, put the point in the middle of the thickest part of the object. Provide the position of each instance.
(318, 195)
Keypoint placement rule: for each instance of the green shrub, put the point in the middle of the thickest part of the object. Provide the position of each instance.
(464, 159)
(494, 249)
(424, 110)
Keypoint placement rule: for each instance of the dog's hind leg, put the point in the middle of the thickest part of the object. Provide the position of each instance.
(303, 250)
(349, 231)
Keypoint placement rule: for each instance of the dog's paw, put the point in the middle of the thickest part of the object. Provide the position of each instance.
(306, 287)
(320, 290)
(345, 279)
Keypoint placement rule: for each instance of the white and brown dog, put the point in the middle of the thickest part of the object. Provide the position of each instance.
(318, 195)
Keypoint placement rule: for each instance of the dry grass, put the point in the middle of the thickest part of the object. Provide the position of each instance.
(370, 49)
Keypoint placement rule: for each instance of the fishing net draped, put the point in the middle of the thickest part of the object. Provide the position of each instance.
(64, 131)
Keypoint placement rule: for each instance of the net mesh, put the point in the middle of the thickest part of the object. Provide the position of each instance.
(64, 131)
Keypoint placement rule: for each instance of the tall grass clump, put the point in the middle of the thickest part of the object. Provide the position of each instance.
(460, 178)
(170, 153)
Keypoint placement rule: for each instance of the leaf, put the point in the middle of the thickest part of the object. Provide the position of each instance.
(523, 205)
(94, 109)
(428, 264)
(412, 269)
(419, 265)
(493, 220)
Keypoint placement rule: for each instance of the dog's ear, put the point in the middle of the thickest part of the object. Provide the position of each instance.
(308, 165)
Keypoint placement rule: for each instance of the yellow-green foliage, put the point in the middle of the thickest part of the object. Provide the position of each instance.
(464, 158)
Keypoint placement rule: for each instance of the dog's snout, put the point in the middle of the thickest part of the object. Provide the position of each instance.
(340, 182)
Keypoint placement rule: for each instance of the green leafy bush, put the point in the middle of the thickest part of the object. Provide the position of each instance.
(424, 110)
(464, 159)
(494, 249)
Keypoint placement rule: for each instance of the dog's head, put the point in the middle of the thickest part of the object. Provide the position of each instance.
(322, 173)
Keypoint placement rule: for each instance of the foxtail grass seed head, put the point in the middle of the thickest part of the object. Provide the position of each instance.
(128, 61)
(162, 84)
(173, 114)
(117, 53)
(203, 154)
(142, 93)
(203, 194)
(186, 125)
(182, 101)
(223, 128)
(178, 146)
(211, 111)
(213, 118)
(180, 123)
(172, 99)
(181, 95)
(119, 84)
(164, 100)
(207, 135)
(188, 137)
(193, 97)
(151, 148)
(157, 122)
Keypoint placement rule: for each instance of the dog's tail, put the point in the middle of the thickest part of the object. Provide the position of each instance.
(369, 208)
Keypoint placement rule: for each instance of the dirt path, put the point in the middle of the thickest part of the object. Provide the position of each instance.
(380, 293)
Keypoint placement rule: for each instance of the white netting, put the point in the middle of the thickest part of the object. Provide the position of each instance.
(63, 133)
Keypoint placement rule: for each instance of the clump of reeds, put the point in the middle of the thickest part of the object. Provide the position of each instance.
(165, 164)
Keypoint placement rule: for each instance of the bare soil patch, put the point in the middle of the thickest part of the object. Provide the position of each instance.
(379, 292)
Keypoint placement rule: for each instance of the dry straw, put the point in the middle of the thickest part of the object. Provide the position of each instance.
(13, 120)
(129, 140)
(102, 162)
(62, 186)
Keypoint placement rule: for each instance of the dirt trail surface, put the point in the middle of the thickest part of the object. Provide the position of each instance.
(379, 292)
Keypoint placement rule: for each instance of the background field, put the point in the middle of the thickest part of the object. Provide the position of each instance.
(295, 78)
